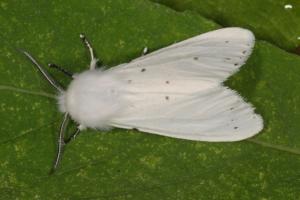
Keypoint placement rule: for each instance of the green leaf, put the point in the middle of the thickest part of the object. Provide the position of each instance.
(273, 21)
(125, 164)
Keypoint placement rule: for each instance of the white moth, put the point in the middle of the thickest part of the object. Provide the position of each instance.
(176, 91)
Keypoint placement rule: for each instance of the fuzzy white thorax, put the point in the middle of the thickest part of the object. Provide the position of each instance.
(92, 98)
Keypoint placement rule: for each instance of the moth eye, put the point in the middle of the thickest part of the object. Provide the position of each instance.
(244, 52)
(236, 64)
(143, 70)
(196, 58)
(167, 97)
(236, 127)
(167, 82)
(226, 41)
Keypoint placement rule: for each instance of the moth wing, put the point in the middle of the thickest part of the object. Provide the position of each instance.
(218, 114)
(212, 56)
(177, 91)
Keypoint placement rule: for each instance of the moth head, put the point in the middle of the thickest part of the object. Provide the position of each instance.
(79, 101)
(91, 99)
(60, 90)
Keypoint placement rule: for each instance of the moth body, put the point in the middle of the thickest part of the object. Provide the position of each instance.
(176, 91)
(93, 98)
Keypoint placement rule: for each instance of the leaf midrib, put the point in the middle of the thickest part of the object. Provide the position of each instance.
(52, 96)
(27, 91)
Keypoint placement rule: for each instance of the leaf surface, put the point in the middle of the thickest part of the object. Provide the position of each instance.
(125, 164)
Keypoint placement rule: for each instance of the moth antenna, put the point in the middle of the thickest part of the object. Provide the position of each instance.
(60, 143)
(49, 78)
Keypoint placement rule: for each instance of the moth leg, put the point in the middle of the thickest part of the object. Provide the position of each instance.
(61, 142)
(66, 72)
(88, 45)
(73, 136)
(75, 133)
(145, 51)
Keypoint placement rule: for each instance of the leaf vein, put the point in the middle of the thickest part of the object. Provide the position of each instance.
(275, 146)
(26, 91)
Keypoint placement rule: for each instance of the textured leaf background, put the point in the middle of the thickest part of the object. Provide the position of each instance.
(123, 164)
